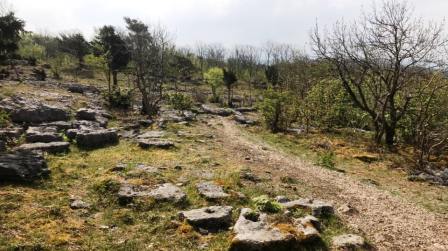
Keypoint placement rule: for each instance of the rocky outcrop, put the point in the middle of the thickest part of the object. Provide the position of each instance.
(224, 112)
(80, 88)
(95, 138)
(317, 207)
(240, 118)
(212, 218)
(42, 134)
(163, 193)
(26, 111)
(52, 147)
(23, 166)
(211, 191)
(253, 233)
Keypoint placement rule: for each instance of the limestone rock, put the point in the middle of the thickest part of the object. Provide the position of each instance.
(317, 207)
(96, 138)
(212, 218)
(168, 192)
(79, 204)
(22, 166)
(42, 134)
(348, 242)
(252, 232)
(224, 112)
(155, 143)
(52, 147)
(211, 191)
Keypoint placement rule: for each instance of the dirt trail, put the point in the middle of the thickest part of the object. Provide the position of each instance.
(390, 222)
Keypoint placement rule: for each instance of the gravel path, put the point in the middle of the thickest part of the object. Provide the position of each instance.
(389, 222)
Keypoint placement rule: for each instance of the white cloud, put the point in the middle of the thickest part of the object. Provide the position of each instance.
(226, 21)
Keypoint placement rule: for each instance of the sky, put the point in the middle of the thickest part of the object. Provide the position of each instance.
(228, 22)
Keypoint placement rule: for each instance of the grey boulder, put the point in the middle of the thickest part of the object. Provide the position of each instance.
(212, 218)
(52, 147)
(22, 166)
(42, 134)
(211, 191)
(348, 242)
(96, 138)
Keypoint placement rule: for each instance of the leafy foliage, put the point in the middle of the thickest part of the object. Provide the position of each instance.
(265, 204)
(214, 78)
(180, 101)
(10, 29)
(277, 110)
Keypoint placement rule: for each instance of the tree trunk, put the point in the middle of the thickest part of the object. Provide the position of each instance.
(115, 79)
(390, 135)
(229, 97)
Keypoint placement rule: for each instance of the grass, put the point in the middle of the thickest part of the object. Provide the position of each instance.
(39, 216)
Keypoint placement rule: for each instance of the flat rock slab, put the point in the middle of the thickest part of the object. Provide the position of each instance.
(52, 147)
(79, 204)
(169, 193)
(224, 112)
(307, 228)
(96, 138)
(39, 114)
(212, 218)
(151, 135)
(240, 118)
(348, 242)
(252, 232)
(22, 166)
(155, 143)
(10, 133)
(211, 191)
(43, 134)
(317, 207)
(60, 125)
(163, 193)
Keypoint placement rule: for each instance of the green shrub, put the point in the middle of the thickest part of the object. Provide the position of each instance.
(4, 118)
(120, 99)
(264, 204)
(180, 101)
(277, 109)
(327, 160)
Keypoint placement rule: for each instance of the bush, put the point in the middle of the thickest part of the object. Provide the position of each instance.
(120, 99)
(277, 109)
(180, 101)
(327, 160)
(264, 204)
(4, 119)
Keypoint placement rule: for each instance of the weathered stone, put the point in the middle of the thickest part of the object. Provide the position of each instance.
(212, 218)
(163, 193)
(7, 134)
(168, 192)
(225, 112)
(307, 228)
(22, 166)
(71, 133)
(79, 204)
(60, 125)
(42, 134)
(211, 191)
(253, 233)
(86, 125)
(366, 158)
(317, 207)
(52, 147)
(151, 135)
(249, 175)
(246, 109)
(154, 143)
(80, 88)
(97, 138)
(38, 114)
(240, 118)
(347, 209)
(86, 114)
(348, 242)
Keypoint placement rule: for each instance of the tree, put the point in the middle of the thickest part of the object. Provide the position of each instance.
(272, 75)
(148, 50)
(74, 44)
(230, 79)
(11, 28)
(113, 48)
(380, 60)
(214, 78)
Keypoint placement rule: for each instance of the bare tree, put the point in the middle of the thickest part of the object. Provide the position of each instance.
(379, 60)
(148, 52)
